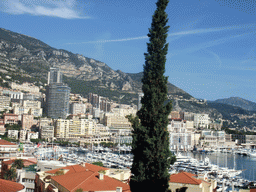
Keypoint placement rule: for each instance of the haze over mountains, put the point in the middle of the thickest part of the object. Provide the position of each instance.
(25, 58)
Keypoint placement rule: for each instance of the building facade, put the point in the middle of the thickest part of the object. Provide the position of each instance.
(57, 100)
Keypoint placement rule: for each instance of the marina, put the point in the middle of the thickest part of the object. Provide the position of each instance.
(229, 169)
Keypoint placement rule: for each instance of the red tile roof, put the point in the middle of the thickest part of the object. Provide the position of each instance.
(10, 114)
(71, 169)
(10, 186)
(89, 181)
(4, 142)
(184, 177)
(26, 162)
(87, 178)
(79, 168)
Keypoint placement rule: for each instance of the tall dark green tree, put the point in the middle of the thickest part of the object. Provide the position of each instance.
(150, 145)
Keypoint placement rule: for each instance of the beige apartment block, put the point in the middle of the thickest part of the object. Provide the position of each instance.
(31, 104)
(190, 126)
(46, 132)
(27, 121)
(74, 128)
(4, 102)
(61, 128)
(175, 114)
(119, 122)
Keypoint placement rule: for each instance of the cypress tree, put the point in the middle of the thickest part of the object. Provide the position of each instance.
(150, 145)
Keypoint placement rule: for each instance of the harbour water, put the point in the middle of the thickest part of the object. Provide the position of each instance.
(230, 160)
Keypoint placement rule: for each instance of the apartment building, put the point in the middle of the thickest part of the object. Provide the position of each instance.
(213, 138)
(27, 121)
(14, 95)
(28, 107)
(74, 128)
(201, 120)
(179, 137)
(4, 102)
(7, 150)
(46, 132)
(14, 134)
(10, 118)
(77, 108)
(28, 87)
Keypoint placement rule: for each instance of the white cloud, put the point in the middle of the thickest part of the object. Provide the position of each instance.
(114, 40)
(182, 33)
(61, 8)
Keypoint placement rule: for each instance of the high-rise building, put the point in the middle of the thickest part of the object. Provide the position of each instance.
(57, 100)
(54, 75)
(57, 95)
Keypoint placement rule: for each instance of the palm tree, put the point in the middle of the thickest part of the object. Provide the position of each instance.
(10, 174)
(18, 163)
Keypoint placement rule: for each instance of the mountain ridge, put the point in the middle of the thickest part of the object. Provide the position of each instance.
(34, 58)
(238, 102)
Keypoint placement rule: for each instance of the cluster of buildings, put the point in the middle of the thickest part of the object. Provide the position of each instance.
(96, 118)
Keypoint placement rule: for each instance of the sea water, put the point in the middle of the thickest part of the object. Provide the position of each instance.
(230, 160)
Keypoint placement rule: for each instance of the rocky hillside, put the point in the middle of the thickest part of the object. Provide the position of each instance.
(34, 58)
(24, 58)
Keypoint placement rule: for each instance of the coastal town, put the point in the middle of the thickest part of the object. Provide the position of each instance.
(58, 135)
(84, 110)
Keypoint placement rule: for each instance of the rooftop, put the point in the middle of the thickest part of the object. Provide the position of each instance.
(185, 177)
(10, 186)
(4, 142)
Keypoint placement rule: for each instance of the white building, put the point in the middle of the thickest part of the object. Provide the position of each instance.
(26, 178)
(32, 135)
(213, 138)
(13, 134)
(14, 94)
(77, 108)
(179, 137)
(201, 120)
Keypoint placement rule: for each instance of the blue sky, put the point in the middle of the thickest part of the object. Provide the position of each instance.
(211, 42)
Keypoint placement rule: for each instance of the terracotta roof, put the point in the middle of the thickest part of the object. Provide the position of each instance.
(184, 177)
(94, 168)
(10, 186)
(10, 114)
(4, 142)
(79, 168)
(26, 162)
(89, 181)
(71, 169)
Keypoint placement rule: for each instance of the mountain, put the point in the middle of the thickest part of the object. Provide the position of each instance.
(238, 102)
(25, 58)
